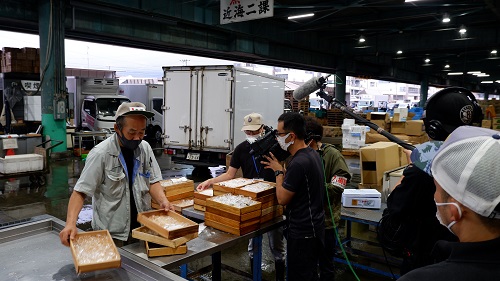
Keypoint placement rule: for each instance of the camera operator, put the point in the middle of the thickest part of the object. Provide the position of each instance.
(252, 169)
(302, 190)
(336, 177)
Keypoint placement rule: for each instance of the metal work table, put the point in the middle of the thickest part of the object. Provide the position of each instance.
(94, 135)
(210, 241)
(363, 216)
(33, 251)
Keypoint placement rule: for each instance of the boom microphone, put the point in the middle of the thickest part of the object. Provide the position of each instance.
(310, 86)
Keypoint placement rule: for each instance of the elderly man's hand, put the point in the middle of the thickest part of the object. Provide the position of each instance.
(167, 206)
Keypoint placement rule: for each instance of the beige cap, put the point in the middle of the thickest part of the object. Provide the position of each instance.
(252, 122)
(130, 108)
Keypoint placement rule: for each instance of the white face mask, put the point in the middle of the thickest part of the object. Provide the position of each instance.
(438, 215)
(251, 139)
(282, 143)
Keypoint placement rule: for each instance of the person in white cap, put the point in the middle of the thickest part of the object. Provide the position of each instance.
(121, 175)
(253, 127)
(466, 174)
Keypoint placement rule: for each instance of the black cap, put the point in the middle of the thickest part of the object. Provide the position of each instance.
(452, 109)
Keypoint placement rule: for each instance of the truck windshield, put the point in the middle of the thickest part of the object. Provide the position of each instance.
(106, 107)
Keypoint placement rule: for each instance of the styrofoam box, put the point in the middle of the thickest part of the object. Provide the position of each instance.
(362, 202)
(21, 163)
(361, 198)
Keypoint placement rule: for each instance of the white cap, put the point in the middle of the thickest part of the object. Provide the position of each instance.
(252, 122)
(467, 167)
(133, 108)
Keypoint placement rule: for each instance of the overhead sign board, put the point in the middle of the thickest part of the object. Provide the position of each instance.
(245, 10)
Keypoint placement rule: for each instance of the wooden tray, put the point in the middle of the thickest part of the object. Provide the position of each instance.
(144, 233)
(219, 187)
(267, 198)
(200, 202)
(179, 196)
(268, 204)
(153, 250)
(271, 215)
(231, 209)
(80, 268)
(229, 222)
(255, 195)
(204, 194)
(232, 230)
(171, 188)
(144, 218)
(182, 204)
(242, 218)
(199, 207)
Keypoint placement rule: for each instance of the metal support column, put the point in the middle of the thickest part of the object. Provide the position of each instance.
(424, 90)
(52, 70)
(340, 81)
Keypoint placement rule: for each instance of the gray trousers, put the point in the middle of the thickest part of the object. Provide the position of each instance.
(276, 244)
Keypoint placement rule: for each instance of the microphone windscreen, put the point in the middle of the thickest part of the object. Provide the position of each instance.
(306, 89)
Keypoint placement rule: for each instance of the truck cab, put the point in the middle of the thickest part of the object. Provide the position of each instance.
(98, 112)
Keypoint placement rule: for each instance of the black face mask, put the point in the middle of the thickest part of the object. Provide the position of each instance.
(130, 144)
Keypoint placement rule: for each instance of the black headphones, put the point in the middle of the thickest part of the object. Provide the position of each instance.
(434, 128)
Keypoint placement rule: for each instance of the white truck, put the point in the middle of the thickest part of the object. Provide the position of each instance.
(150, 95)
(205, 105)
(93, 103)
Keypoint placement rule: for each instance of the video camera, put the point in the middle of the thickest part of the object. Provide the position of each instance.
(268, 143)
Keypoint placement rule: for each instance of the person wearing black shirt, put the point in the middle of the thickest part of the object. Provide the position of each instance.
(301, 188)
(252, 169)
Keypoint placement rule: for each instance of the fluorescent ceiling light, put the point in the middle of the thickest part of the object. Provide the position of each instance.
(455, 73)
(483, 75)
(409, 1)
(447, 66)
(473, 72)
(301, 16)
(494, 52)
(446, 18)
(462, 30)
(480, 73)
(362, 39)
(486, 82)
(427, 60)
(399, 52)
(498, 81)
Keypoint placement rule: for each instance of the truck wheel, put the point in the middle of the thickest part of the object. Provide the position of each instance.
(157, 134)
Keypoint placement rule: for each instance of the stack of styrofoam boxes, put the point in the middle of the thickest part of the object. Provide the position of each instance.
(21, 163)
(353, 136)
(32, 108)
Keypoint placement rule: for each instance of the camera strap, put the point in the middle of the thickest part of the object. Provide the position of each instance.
(255, 165)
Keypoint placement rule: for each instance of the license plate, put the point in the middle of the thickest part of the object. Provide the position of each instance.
(193, 156)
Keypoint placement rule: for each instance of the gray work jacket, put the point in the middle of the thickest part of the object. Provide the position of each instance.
(104, 178)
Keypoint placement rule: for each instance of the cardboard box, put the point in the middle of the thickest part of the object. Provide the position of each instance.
(418, 139)
(106, 240)
(415, 127)
(403, 159)
(398, 127)
(378, 116)
(377, 158)
(175, 232)
(400, 115)
(375, 137)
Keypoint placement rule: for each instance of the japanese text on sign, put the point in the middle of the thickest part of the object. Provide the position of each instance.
(30, 85)
(244, 10)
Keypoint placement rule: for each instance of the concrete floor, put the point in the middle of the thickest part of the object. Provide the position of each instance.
(20, 199)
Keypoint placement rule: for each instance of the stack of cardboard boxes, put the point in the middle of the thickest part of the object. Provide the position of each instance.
(411, 131)
(25, 60)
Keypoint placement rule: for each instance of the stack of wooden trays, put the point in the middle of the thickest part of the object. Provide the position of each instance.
(200, 199)
(94, 250)
(230, 186)
(179, 192)
(165, 233)
(265, 193)
(235, 214)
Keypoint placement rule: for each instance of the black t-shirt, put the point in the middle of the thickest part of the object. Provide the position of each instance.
(251, 168)
(304, 176)
(128, 155)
